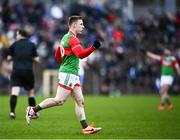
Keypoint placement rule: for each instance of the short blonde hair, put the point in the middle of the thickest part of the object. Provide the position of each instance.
(73, 19)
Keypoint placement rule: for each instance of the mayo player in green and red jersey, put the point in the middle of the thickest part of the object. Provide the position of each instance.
(168, 63)
(68, 54)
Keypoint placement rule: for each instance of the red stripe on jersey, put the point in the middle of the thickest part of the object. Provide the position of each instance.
(76, 46)
(77, 85)
(65, 87)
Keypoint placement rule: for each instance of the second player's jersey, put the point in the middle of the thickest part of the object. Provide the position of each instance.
(70, 62)
(167, 65)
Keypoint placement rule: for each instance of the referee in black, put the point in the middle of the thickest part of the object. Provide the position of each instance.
(22, 52)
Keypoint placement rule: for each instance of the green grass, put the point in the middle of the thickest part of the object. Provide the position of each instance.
(123, 117)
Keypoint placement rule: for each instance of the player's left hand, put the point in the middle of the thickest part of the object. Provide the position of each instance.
(96, 44)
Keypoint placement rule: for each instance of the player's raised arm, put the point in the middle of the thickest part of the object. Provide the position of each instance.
(150, 54)
(153, 56)
(79, 51)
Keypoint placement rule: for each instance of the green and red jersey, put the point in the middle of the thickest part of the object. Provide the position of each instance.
(167, 65)
(72, 52)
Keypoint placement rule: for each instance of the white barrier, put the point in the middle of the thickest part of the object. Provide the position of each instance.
(50, 82)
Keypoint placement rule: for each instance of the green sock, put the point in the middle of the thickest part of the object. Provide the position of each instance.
(83, 123)
(37, 108)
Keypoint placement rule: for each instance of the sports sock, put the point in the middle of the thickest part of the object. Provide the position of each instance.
(84, 124)
(32, 101)
(13, 102)
(162, 103)
(168, 101)
(37, 108)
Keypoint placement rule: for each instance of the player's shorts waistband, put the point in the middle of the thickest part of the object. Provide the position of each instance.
(68, 81)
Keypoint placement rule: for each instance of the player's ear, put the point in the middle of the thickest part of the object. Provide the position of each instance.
(74, 25)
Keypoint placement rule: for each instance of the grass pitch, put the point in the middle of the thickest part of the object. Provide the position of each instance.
(122, 117)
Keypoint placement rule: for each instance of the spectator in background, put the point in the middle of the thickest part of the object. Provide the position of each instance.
(23, 53)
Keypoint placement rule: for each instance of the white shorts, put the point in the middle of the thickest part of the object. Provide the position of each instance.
(68, 81)
(166, 80)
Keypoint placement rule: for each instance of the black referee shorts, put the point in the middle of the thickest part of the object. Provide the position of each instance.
(23, 78)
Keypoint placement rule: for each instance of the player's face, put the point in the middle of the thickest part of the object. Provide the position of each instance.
(167, 52)
(79, 26)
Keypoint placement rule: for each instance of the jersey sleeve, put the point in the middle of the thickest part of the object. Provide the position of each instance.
(77, 48)
(175, 62)
(57, 55)
(74, 42)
